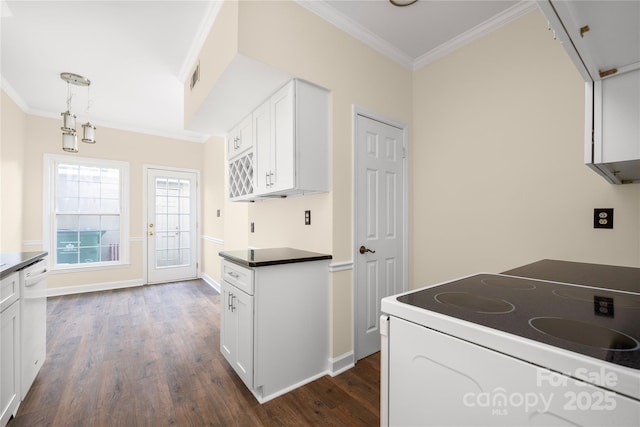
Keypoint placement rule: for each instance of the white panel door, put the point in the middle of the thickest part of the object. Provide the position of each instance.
(171, 225)
(379, 226)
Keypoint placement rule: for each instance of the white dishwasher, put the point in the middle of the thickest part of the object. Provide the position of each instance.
(33, 322)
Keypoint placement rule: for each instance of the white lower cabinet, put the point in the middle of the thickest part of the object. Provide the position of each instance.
(274, 324)
(236, 343)
(9, 351)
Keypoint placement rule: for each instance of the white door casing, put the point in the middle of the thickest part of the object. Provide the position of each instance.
(380, 223)
(171, 225)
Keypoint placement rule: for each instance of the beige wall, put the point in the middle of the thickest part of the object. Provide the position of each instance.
(13, 124)
(43, 136)
(497, 150)
(213, 199)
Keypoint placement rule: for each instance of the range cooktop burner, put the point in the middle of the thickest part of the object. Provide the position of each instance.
(475, 303)
(584, 333)
(595, 322)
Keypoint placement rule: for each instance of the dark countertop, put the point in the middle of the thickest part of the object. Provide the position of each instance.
(14, 261)
(597, 275)
(272, 256)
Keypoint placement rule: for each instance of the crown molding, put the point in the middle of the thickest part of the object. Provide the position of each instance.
(488, 26)
(328, 13)
(357, 31)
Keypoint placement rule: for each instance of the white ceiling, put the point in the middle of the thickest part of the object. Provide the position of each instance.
(138, 53)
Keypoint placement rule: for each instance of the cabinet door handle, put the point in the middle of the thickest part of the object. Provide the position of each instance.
(233, 308)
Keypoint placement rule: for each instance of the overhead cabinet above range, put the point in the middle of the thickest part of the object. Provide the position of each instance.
(603, 40)
(289, 150)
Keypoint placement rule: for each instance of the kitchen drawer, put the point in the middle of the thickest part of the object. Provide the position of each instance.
(238, 276)
(9, 290)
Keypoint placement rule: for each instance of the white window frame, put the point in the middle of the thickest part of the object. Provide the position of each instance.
(49, 215)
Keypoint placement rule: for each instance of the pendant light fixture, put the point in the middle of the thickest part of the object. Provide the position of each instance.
(69, 138)
(402, 3)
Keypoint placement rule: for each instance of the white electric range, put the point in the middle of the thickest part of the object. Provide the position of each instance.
(492, 349)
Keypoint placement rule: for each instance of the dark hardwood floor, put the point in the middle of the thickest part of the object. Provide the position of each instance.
(149, 356)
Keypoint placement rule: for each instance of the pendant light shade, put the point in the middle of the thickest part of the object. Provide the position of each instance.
(68, 122)
(88, 133)
(69, 142)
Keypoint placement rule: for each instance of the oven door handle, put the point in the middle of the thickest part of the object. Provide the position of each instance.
(34, 280)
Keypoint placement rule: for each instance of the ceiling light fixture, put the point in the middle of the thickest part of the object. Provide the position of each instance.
(402, 3)
(69, 138)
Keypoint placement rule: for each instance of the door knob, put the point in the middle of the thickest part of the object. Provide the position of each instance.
(151, 233)
(364, 250)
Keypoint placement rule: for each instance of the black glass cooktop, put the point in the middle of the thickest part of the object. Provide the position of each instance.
(604, 324)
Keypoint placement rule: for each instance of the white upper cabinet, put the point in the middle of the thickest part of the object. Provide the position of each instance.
(290, 133)
(240, 152)
(240, 139)
(616, 135)
(603, 40)
(604, 34)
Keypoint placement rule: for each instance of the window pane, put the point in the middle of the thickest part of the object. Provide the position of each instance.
(110, 176)
(184, 205)
(89, 222)
(184, 188)
(67, 189)
(89, 189)
(173, 222)
(173, 205)
(89, 174)
(110, 222)
(173, 187)
(185, 257)
(67, 204)
(87, 206)
(110, 205)
(184, 222)
(185, 240)
(109, 191)
(67, 222)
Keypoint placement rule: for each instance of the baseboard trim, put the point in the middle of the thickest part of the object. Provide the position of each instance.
(94, 287)
(288, 389)
(211, 282)
(341, 363)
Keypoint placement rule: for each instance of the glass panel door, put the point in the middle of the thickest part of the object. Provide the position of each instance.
(171, 226)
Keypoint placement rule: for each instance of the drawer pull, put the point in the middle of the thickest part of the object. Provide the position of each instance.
(234, 275)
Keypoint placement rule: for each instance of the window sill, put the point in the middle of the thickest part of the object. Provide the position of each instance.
(66, 270)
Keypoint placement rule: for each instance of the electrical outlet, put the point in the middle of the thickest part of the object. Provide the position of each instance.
(307, 217)
(218, 213)
(603, 218)
(253, 227)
